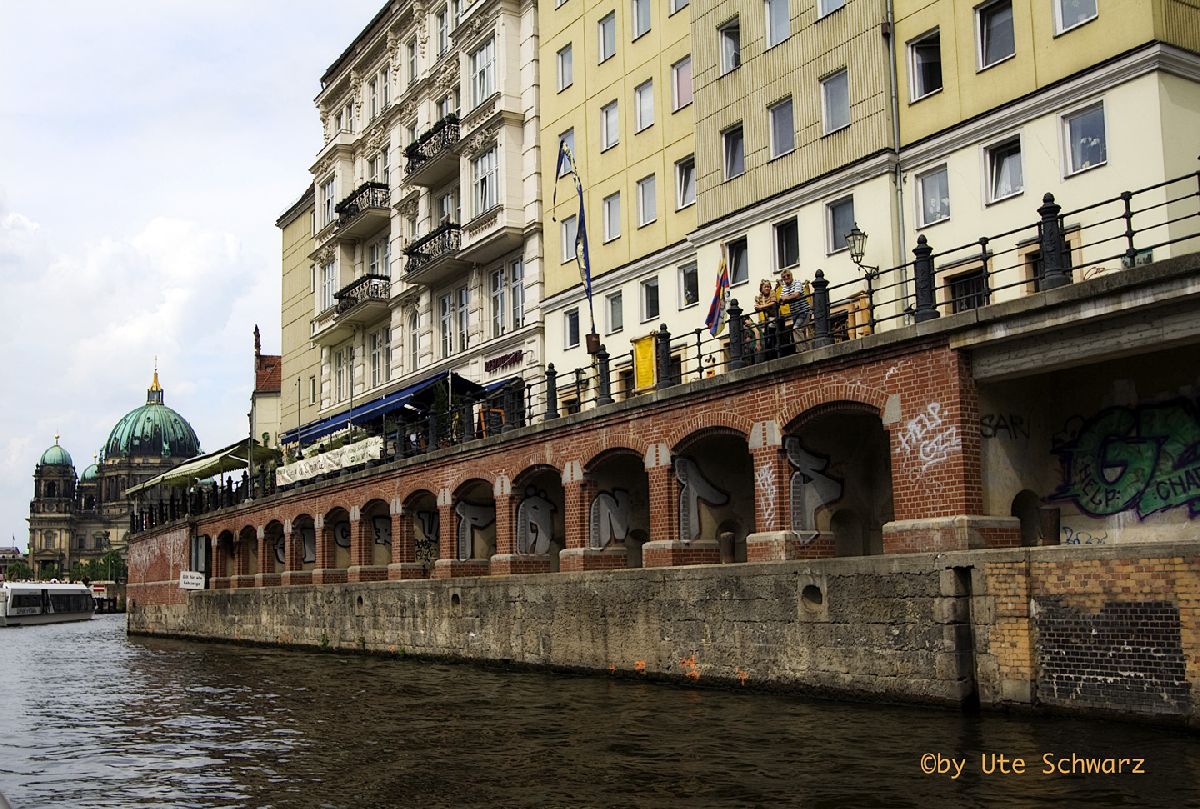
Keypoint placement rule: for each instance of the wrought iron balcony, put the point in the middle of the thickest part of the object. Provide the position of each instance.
(431, 157)
(434, 254)
(363, 290)
(364, 211)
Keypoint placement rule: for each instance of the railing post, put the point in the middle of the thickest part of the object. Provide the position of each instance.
(467, 417)
(551, 392)
(1053, 253)
(737, 331)
(821, 335)
(923, 271)
(431, 427)
(604, 396)
(662, 357)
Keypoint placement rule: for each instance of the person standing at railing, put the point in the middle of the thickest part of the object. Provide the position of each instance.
(766, 304)
(793, 303)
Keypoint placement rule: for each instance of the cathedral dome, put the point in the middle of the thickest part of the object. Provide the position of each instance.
(89, 474)
(56, 456)
(152, 431)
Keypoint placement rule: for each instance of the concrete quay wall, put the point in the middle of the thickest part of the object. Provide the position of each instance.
(1083, 629)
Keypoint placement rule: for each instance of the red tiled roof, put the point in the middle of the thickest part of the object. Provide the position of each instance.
(268, 373)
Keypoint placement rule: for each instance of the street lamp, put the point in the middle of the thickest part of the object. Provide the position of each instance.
(856, 241)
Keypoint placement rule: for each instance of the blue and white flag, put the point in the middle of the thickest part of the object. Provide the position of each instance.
(566, 159)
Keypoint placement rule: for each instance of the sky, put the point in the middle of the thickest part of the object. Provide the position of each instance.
(146, 149)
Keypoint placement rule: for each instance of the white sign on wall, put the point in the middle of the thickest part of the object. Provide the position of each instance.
(191, 580)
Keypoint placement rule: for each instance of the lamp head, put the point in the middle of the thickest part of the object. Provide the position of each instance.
(856, 240)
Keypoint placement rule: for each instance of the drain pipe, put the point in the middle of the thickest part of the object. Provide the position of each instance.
(899, 242)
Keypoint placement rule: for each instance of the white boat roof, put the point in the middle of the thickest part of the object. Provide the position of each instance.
(45, 585)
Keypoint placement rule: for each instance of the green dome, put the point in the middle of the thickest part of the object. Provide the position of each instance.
(89, 474)
(56, 456)
(152, 431)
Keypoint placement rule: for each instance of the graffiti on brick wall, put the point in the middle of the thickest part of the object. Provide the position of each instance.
(1003, 425)
(341, 534)
(471, 516)
(1071, 536)
(280, 547)
(609, 516)
(426, 541)
(535, 522)
(308, 541)
(696, 487)
(381, 528)
(929, 437)
(811, 487)
(1144, 458)
(764, 481)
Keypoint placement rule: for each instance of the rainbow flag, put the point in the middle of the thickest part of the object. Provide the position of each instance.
(716, 310)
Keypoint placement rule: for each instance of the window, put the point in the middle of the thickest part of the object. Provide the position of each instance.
(650, 300)
(381, 357)
(681, 83)
(566, 70)
(462, 316)
(1004, 170)
(608, 36)
(735, 152)
(571, 328)
(1083, 133)
(608, 126)
(647, 210)
(339, 373)
(738, 265)
(443, 31)
(778, 21)
(373, 97)
(835, 101)
(925, 65)
(379, 257)
(840, 221)
(499, 310)
(679, 5)
(614, 310)
(483, 72)
(933, 196)
(443, 107)
(312, 278)
(312, 390)
(385, 86)
(327, 202)
(411, 51)
(612, 216)
(787, 243)
(730, 36)
(328, 285)
(783, 131)
(516, 279)
(643, 105)
(569, 230)
(685, 182)
(1071, 13)
(568, 138)
(641, 17)
(414, 341)
(445, 321)
(828, 6)
(994, 33)
(689, 286)
(483, 169)
(967, 291)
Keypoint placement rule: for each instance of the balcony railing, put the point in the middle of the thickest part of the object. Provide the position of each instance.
(368, 197)
(439, 140)
(442, 242)
(366, 288)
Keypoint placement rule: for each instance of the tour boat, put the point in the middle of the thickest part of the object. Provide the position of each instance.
(37, 602)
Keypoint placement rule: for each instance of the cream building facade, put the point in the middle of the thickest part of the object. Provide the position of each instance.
(426, 248)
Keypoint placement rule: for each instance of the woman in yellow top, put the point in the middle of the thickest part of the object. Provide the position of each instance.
(766, 304)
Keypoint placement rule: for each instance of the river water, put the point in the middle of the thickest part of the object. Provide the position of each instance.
(89, 718)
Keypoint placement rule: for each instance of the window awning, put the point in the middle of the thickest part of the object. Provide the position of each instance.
(231, 458)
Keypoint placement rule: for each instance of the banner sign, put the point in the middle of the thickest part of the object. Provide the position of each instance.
(331, 461)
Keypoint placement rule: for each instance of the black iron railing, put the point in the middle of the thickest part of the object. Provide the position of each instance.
(435, 142)
(368, 196)
(441, 242)
(366, 288)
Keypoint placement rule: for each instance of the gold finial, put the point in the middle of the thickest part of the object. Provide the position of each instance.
(154, 384)
(56, 439)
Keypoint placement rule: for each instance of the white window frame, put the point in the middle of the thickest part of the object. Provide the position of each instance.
(443, 31)
(485, 176)
(614, 301)
(611, 212)
(643, 294)
(643, 105)
(634, 22)
(647, 197)
(610, 112)
(826, 84)
(328, 200)
(607, 23)
(1064, 127)
(498, 279)
(685, 270)
(565, 62)
(381, 364)
(483, 72)
(732, 266)
(988, 168)
(414, 341)
(775, 230)
(831, 246)
(571, 316)
(1059, 28)
(921, 207)
(329, 284)
(827, 7)
(373, 97)
(312, 390)
(413, 67)
(568, 232)
(681, 201)
(516, 280)
(446, 323)
(729, 61)
(777, 108)
(979, 12)
(679, 5)
(773, 37)
(569, 138)
(914, 91)
(676, 104)
(462, 316)
(725, 150)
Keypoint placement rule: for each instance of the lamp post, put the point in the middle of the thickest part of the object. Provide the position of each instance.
(856, 240)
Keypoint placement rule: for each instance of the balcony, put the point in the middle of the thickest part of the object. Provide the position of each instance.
(363, 212)
(364, 300)
(435, 256)
(493, 233)
(431, 158)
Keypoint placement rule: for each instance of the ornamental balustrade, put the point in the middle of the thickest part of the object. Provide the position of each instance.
(368, 196)
(442, 241)
(438, 140)
(367, 288)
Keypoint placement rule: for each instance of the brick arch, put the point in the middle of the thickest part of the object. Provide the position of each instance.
(529, 471)
(251, 528)
(408, 499)
(374, 504)
(722, 421)
(302, 515)
(830, 392)
(830, 408)
(592, 445)
(457, 490)
(696, 435)
(226, 532)
(608, 454)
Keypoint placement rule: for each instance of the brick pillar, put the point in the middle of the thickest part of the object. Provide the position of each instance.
(448, 565)
(773, 539)
(578, 496)
(506, 536)
(220, 560)
(241, 563)
(326, 571)
(507, 560)
(266, 576)
(362, 553)
(404, 550)
(665, 547)
(293, 558)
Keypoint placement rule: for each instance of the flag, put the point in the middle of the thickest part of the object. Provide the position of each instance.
(567, 160)
(716, 310)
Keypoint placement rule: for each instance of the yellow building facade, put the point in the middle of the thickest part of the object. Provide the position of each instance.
(300, 392)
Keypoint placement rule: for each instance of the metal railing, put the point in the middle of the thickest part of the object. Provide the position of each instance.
(433, 143)
(369, 195)
(442, 241)
(369, 287)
